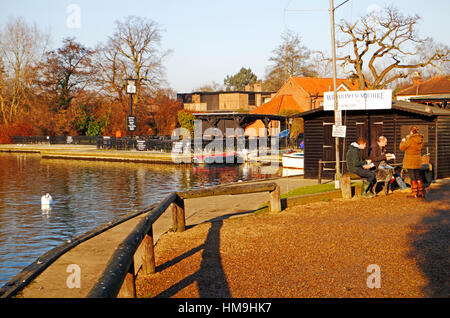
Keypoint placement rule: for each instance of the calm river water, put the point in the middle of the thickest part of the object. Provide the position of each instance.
(87, 194)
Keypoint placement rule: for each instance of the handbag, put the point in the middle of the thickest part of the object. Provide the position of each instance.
(425, 159)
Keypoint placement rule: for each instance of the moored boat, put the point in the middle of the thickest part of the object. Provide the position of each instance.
(220, 158)
(293, 160)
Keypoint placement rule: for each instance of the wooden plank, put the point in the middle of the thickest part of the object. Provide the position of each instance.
(228, 190)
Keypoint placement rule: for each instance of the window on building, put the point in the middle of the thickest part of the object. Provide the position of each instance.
(251, 99)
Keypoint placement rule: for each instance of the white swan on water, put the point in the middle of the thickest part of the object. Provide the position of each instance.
(46, 199)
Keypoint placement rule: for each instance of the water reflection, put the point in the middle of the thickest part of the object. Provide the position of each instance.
(86, 194)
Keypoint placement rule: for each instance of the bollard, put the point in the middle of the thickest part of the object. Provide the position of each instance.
(178, 215)
(275, 200)
(346, 186)
(148, 254)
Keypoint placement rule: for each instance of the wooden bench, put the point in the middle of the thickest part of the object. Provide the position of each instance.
(346, 184)
(382, 175)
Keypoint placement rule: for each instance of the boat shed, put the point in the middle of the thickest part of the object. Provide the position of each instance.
(393, 123)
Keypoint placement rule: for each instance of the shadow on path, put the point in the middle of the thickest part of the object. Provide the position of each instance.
(430, 244)
(211, 279)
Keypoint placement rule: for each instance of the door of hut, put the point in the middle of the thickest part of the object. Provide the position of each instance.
(362, 131)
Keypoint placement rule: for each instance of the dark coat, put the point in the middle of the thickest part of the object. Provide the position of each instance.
(354, 160)
(377, 154)
(412, 146)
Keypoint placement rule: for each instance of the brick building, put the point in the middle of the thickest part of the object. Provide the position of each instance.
(297, 95)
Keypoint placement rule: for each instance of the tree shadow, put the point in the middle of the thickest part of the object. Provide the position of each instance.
(430, 244)
(211, 279)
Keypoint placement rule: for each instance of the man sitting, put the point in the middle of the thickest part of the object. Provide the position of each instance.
(378, 154)
(357, 165)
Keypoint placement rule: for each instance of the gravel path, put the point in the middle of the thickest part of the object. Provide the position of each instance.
(316, 250)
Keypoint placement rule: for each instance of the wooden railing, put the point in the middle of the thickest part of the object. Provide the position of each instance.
(118, 278)
(322, 167)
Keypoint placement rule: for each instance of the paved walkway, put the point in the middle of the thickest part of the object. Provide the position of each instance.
(92, 256)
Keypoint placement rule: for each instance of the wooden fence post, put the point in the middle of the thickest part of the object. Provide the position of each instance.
(319, 173)
(346, 186)
(173, 207)
(275, 200)
(148, 254)
(178, 215)
(128, 289)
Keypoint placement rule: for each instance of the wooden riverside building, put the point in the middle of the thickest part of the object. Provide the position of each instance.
(394, 124)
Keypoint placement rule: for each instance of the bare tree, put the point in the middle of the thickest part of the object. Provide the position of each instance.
(134, 51)
(389, 45)
(22, 47)
(290, 58)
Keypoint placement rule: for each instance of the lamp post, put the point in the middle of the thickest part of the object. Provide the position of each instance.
(131, 90)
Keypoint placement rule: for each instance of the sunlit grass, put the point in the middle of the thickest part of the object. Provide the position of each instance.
(317, 188)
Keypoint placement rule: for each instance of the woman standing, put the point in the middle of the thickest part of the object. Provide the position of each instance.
(412, 145)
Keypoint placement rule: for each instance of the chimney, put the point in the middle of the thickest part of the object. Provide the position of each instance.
(417, 79)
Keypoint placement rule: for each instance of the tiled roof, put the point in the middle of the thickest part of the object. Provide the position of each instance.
(277, 105)
(315, 85)
(435, 85)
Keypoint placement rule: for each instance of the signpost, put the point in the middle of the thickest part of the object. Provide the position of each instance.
(337, 117)
(131, 120)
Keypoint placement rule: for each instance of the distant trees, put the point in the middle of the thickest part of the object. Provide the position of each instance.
(211, 87)
(66, 72)
(22, 46)
(238, 81)
(385, 47)
(290, 58)
(78, 90)
(186, 120)
(164, 112)
(133, 51)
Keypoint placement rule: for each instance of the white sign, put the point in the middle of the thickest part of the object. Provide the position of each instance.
(339, 131)
(359, 100)
(131, 123)
(131, 89)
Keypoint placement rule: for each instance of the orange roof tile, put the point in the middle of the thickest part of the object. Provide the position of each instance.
(278, 104)
(435, 85)
(315, 85)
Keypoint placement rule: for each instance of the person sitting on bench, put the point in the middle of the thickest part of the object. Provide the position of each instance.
(361, 167)
(378, 154)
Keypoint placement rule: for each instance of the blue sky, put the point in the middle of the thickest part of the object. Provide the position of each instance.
(212, 39)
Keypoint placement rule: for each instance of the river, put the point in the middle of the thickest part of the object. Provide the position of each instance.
(86, 194)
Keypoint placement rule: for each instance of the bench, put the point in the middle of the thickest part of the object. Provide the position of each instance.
(382, 175)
